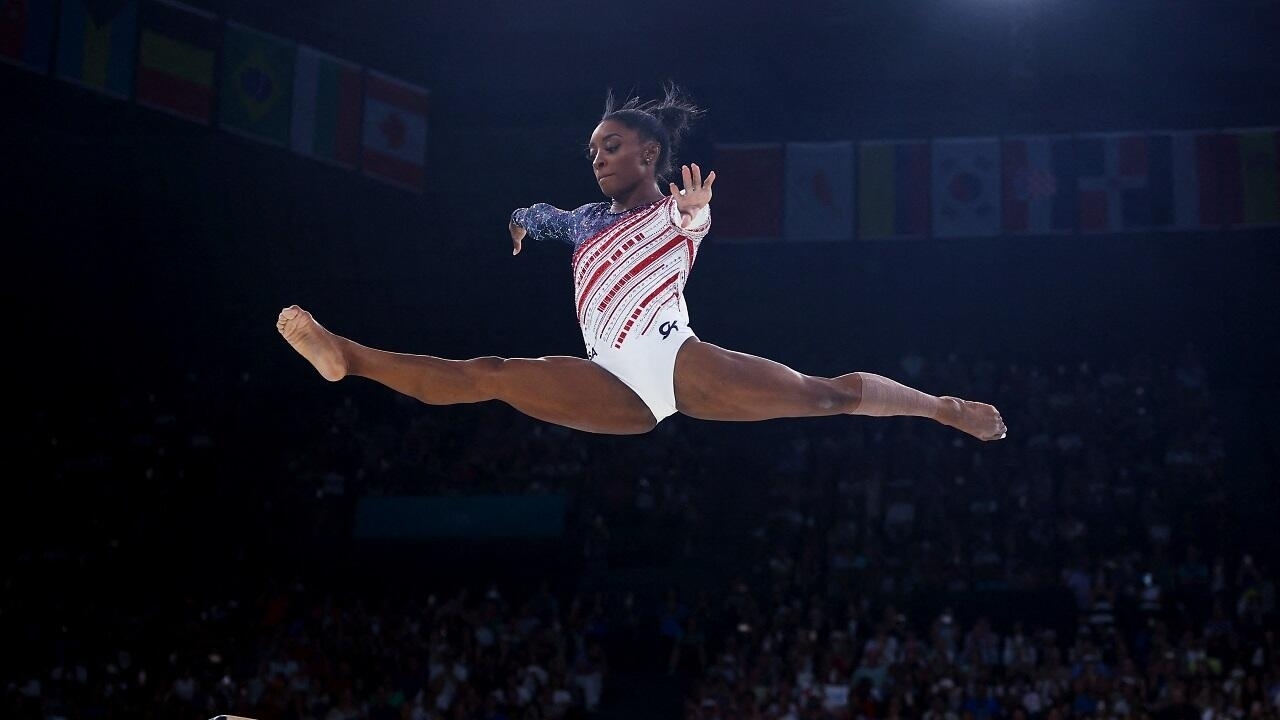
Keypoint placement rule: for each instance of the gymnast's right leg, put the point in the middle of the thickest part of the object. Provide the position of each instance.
(567, 391)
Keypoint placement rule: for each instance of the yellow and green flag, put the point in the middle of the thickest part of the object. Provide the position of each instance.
(96, 43)
(255, 96)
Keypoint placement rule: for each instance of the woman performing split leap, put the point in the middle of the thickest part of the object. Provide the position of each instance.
(631, 257)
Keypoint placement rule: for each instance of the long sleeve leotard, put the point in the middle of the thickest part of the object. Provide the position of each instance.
(629, 268)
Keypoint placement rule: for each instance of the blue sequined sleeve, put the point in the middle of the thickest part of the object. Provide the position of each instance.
(545, 222)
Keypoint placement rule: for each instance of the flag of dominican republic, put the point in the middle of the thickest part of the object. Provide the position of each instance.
(893, 189)
(1114, 183)
(819, 182)
(176, 54)
(748, 202)
(1038, 176)
(966, 187)
(395, 131)
(1251, 177)
(255, 96)
(26, 32)
(96, 41)
(1185, 172)
(326, 108)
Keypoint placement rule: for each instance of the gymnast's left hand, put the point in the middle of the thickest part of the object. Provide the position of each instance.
(696, 193)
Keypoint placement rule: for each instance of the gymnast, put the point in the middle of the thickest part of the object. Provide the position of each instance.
(632, 255)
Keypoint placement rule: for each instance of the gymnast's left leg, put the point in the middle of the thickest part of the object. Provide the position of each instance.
(713, 383)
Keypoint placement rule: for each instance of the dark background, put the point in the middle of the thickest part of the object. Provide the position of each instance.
(144, 249)
(141, 244)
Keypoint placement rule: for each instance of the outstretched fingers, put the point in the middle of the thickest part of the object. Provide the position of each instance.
(691, 175)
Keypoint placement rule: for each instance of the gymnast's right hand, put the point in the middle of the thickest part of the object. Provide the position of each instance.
(517, 237)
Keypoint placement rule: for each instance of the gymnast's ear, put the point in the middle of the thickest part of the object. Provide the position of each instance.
(650, 152)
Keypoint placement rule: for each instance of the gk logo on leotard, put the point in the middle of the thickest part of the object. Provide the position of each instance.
(591, 353)
(667, 328)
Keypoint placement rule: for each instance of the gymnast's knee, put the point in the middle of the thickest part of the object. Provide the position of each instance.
(832, 397)
(489, 373)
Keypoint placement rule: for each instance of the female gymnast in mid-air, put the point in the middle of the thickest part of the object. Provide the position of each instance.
(631, 257)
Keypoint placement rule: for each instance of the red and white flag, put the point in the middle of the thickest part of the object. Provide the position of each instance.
(966, 187)
(394, 140)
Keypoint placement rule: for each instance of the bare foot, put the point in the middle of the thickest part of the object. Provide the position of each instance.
(977, 419)
(319, 346)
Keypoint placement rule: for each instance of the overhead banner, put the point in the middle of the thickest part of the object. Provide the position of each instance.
(748, 202)
(395, 131)
(176, 55)
(1185, 175)
(893, 189)
(26, 32)
(1114, 182)
(255, 97)
(1038, 177)
(96, 45)
(326, 108)
(819, 186)
(1251, 177)
(966, 187)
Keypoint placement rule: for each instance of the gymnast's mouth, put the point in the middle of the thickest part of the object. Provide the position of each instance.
(598, 179)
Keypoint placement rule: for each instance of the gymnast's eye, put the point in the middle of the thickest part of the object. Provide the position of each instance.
(591, 152)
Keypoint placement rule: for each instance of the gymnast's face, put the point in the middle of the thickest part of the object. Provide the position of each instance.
(621, 162)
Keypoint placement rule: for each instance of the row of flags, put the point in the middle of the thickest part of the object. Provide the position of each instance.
(987, 186)
(194, 65)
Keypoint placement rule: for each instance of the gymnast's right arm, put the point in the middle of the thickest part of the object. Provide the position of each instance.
(542, 221)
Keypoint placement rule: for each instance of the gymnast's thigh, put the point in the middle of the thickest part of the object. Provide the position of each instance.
(573, 392)
(712, 383)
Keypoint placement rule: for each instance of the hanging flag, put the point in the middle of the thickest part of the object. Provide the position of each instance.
(819, 182)
(747, 206)
(1038, 176)
(1114, 192)
(96, 42)
(326, 108)
(966, 187)
(176, 55)
(395, 131)
(1185, 177)
(255, 94)
(1251, 177)
(26, 32)
(893, 189)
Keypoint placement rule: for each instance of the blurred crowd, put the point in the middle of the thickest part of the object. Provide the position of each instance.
(1135, 648)
(294, 653)
(1089, 566)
